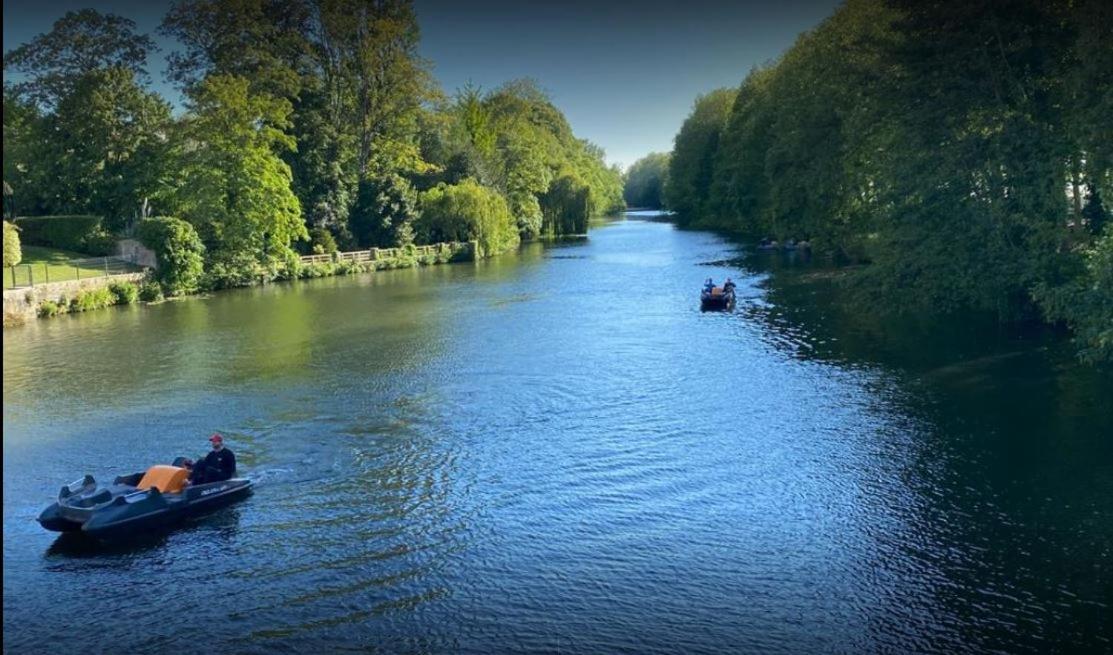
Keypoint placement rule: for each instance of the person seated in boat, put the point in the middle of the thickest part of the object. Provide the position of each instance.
(728, 286)
(218, 465)
(709, 285)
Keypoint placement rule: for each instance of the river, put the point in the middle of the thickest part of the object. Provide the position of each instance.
(556, 451)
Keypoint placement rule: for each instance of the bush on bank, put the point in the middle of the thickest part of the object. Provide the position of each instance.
(179, 250)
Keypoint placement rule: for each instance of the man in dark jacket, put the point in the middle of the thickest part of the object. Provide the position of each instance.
(218, 465)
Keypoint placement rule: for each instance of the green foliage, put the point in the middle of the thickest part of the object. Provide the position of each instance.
(235, 189)
(150, 291)
(125, 293)
(179, 250)
(89, 299)
(86, 137)
(1085, 301)
(83, 234)
(515, 140)
(321, 241)
(933, 141)
(468, 212)
(645, 181)
(690, 166)
(566, 206)
(13, 254)
(385, 210)
(78, 43)
(48, 308)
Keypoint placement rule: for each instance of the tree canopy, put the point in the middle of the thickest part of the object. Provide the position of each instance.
(646, 180)
(300, 114)
(961, 149)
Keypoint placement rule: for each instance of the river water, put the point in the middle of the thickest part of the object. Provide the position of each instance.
(556, 451)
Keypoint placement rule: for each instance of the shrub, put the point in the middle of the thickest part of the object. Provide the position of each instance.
(465, 212)
(125, 292)
(89, 299)
(80, 233)
(51, 308)
(13, 254)
(179, 251)
(150, 292)
(322, 242)
(231, 270)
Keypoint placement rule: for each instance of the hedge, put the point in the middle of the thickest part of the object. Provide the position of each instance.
(78, 232)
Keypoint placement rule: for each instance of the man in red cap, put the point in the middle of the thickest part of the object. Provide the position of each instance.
(218, 465)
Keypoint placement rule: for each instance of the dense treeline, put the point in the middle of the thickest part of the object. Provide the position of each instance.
(645, 181)
(963, 150)
(309, 125)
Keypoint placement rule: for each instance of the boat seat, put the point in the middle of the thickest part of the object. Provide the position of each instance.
(167, 479)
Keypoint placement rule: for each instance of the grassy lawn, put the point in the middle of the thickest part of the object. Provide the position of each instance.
(43, 264)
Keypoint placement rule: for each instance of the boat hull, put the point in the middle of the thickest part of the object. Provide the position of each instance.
(121, 511)
(718, 302)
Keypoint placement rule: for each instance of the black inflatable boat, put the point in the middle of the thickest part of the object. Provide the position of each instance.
(717, 298)
(135, 504)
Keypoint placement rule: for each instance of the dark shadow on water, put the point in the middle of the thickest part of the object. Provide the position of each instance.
(222, 523)
(78, 545)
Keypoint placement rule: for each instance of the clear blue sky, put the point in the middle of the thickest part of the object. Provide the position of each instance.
(624, 73)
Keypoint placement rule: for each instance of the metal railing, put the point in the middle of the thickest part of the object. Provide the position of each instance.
(24, 276)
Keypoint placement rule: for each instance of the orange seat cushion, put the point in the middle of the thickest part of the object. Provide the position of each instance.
(167, 479)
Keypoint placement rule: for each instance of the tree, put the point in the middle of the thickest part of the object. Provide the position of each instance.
(645, 181)
(79, 43)
(235, 189)
(262, 41)
(179, 251)
(105, 148)
(468, 212)
(566, 206)
(690, 167)
(385, 210)
(23, 140)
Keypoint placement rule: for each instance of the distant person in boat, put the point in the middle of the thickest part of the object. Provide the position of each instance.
(217, 466)
(728, 286)
(709, 285)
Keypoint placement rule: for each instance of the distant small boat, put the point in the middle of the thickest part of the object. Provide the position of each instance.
(717, 298)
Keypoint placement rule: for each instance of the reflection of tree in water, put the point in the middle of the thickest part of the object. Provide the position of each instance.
(1013, 427)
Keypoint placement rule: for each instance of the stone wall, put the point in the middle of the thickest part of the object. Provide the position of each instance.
(131, 250)
(23, 304)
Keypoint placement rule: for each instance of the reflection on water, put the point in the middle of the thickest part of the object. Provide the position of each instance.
(559, 451)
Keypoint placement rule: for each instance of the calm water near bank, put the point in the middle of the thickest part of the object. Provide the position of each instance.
(558, 452)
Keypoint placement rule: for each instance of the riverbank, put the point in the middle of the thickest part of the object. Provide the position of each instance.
(49, 300)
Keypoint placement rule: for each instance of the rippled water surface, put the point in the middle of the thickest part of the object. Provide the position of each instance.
(558, 452)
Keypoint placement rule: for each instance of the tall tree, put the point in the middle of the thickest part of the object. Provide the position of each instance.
(645, 181)
(79, 43)
(106, 149)
(262, 41)
(693, 155)
(235, 188)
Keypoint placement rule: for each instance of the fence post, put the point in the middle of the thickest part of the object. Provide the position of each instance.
(31, 275)
(106, 267)
(46, 272)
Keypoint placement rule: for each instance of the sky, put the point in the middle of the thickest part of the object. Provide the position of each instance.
(624, 73)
